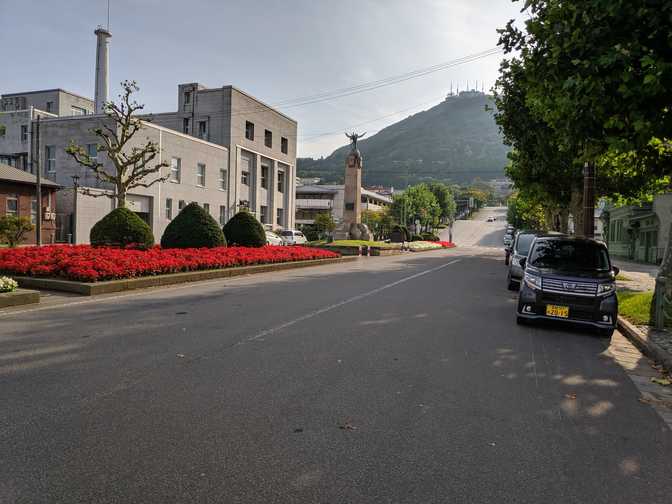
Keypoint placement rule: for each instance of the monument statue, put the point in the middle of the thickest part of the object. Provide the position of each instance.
(353, 138)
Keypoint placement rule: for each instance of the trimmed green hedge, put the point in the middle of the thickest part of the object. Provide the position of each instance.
(245, 230)
(193, 228)
(121, 228)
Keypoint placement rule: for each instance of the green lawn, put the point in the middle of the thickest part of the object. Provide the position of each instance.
(635, 306)
(354, 243)
(622, 277)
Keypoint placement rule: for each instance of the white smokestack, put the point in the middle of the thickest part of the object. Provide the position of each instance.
(102, 69)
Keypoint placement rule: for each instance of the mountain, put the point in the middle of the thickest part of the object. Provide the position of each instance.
(455, 141)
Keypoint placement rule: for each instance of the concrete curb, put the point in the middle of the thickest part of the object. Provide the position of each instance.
(19, 297)
(111, 286)
(642, 341)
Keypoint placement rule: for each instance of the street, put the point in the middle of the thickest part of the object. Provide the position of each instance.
(400, 379)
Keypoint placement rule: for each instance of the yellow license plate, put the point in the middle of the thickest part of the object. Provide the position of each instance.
(557, 311)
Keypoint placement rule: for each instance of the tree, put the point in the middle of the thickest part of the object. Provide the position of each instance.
(324, 224)
(121, 228)
(526, 212)
(444, 197)
(13, 229)
(245, 230)
(417, 203)
(193, 228)
(380, 222)
(132, 159)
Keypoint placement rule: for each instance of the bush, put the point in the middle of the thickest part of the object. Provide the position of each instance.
(193, 228)
(399, 234)
(245, 230)
(7, 284)
(416, 237)
(13, 228)
(429, 237)
(121, 228)
(311, 232)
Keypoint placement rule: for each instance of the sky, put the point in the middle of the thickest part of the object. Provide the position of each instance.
(276, 50)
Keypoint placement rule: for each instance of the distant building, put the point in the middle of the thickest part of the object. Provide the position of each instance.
(316, 199)
(18, 197)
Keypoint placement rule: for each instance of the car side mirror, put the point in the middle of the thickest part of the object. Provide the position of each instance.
(523, 262)
(616, 270)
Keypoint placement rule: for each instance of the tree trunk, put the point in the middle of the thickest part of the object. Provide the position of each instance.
(121, 196)
(564, 220)
(576, 209)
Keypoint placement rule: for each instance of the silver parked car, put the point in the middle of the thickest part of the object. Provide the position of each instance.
(293, 237)
(518, 250)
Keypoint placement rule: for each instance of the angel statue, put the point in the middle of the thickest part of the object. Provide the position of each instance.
(353, 138)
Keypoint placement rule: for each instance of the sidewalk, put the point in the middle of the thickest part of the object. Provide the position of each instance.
(641, 277)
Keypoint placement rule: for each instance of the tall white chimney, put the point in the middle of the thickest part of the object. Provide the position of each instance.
(102, 69)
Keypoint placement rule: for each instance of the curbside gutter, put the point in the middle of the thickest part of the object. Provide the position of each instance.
(125, 284)
(642, 341)
(19, 297)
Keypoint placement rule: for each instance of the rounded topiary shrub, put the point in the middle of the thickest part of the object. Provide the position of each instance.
(244, 230)
(121, 228)
(193, 228)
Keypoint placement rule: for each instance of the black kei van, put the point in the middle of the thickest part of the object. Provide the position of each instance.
(569, 279)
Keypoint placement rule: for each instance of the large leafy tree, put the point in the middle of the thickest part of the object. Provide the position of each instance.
(417, 203)
(134, 160)
(444, 197)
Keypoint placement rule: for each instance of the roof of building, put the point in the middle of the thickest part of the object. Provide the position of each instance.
(54, 90)
(11, 174)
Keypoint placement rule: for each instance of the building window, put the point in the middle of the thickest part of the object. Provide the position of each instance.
(222, 215)
(181, 205)
(263, 214)
(169, 208)
(33, 211)
(92, 152)
(222, 179)
(24, 132)
(206, 207)
(50, 106)
(175, 170)
(284, 145)
(249, 130)
(280, 218)
(264, 176)
(187, 98)
(185, 125)
(50, 155)
(268, 139)
(281, 182)
(203, 130)
(245, 178)
(12, 205)
(200, 175)
(78, 111)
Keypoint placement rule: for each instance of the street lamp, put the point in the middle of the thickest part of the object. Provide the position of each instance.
(75, 186)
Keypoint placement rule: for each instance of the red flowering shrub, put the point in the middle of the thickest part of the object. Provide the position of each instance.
(445, 244)
(90, 264)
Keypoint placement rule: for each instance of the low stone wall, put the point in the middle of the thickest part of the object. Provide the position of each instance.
(380, 251)
(19, 297)
(346, 250)
(110, 286)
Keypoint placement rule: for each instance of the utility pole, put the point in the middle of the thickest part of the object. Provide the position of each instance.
(589, 199)
(38, 177)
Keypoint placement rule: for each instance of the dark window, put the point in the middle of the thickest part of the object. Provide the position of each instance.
(169, 208)
(24, 132)
(181, 204)
(569, 255)
(206, 207)
(281, 182)
(187, 98)
(245, 178)
(203, 130)
(284, 145)
(249, 130)
(268, 139)
(185, 125)
(263, 214)
(50, 106)
(264, 176)
(280, 217)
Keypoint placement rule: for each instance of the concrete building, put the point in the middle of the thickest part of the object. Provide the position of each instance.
(198, 172)
(312, 200)
(18, 196)
(261, 143)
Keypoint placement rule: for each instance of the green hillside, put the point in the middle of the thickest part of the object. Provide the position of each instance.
(456, 141)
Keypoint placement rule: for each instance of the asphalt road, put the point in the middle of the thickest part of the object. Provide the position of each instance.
(391, 380)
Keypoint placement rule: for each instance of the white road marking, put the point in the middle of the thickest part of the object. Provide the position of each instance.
(328, 308)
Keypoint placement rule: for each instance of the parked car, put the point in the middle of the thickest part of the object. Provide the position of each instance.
(508, 239)
(517, 251)
(569, 279)
(293, 237)
(490, 219)
(273, 239)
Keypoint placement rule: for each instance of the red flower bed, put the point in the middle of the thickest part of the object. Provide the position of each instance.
(89, 264)
(445, 244)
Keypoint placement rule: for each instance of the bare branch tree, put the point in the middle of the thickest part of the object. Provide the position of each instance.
(133, 166)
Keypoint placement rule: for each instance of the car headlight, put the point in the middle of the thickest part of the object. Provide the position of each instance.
(605, 288)
(533, 281)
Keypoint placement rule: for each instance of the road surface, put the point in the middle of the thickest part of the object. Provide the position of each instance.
(398, 379)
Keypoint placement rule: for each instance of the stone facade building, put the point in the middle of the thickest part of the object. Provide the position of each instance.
(18, 196)
(261, 143)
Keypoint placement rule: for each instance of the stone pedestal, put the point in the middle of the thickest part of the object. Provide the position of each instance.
(352, 228)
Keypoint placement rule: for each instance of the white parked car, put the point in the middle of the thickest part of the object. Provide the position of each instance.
(293, 237)
(273, 239)
(491, 219)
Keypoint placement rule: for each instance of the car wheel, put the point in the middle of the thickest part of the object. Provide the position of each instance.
(605, 332)
(521, 320)
(513, 286)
